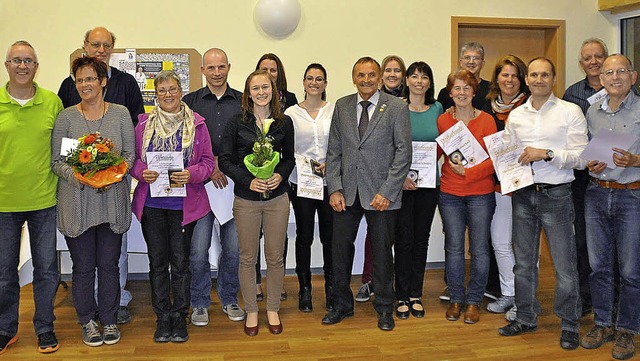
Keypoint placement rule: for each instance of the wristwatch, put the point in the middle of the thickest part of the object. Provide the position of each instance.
(550, 155)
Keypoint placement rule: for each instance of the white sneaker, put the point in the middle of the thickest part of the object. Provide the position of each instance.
(200, 316)
(502, 305)
(511, 314)
(234, 312)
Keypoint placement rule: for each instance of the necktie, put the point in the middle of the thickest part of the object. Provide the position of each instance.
(364, 118)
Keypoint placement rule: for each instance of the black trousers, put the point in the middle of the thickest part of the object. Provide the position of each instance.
(305, 210)
(412, 240)
(168, 244)
(381, 228)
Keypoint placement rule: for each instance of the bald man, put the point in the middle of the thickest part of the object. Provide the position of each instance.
(217, 102)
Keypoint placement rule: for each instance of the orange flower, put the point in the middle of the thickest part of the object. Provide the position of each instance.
(102, 148)
(89, 139)
(84, 157)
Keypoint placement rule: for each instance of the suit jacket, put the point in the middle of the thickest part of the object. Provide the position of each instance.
(377, 163)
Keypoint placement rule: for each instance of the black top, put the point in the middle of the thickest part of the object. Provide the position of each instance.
(216, 112)
(287, 100)
(478, 100)
(237, 143)
(122, 89)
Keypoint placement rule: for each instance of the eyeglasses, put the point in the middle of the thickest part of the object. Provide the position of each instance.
(163, 92)
(89, 79)
(26, 61)
(471, 58)
(318, 79)
(619, 72)
(96, 45)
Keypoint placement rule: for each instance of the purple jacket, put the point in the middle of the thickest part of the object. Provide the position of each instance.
(196, 203)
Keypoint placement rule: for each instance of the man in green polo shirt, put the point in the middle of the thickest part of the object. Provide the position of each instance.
(27, 194)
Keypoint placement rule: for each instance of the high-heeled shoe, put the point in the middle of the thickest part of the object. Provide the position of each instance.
(275, 329)
(253, 330)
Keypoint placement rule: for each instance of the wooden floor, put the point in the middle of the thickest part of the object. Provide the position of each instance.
(304, 338)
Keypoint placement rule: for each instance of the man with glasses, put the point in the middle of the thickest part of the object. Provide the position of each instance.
(471, 59)
(612, 212)
(122, 89)
(553, 133)
(27, 195)
(583, 93)
(218, 103)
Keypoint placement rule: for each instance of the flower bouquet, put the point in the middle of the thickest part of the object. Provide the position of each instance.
(95, 163)
(263, 161)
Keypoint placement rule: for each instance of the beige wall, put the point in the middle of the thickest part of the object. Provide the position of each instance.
(330, 31)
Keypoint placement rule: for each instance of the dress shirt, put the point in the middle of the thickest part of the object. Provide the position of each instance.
(559, 126)
(625, 120)
(311, 135)
(578, 93)
(372, 107)
(216, 111)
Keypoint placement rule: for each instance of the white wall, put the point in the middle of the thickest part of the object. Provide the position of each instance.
(332, 32)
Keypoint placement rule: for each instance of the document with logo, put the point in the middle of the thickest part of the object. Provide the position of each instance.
(166, 163)
(511, 173)
(461, 146)
(310, 180)
(424, 164)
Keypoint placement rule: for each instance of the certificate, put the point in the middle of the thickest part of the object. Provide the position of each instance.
(511, 173)
(221, 201)
(461, 146)
(424, 164)
(166, 163)
(600, 146)
(310, 183)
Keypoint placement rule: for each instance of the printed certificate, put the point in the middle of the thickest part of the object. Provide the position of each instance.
(424, 164)
(166, 163)
(310, 180)
(512, 175)
(461, 146)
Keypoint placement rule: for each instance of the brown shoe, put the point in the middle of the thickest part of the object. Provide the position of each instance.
(453, 312)
(596, 337)
(472, 314)
(624, 347)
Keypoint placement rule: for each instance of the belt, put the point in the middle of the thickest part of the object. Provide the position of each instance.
(615, 185)
(542, 186)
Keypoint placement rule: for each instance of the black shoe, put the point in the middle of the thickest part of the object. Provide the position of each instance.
(179, 330)
(385, 321)
(284, 295)
(403, 315)
(163, 329)
(516, 328)
(569, 340)
(123, 315)
(304, 300)
(329, 304)
(47, 342)
(416, 311)
(336, 316)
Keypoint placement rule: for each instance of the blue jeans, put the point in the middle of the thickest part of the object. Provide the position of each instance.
(228, 284)
(613, 230)
(551, 210)
(123, 266)
(457, 213)
(42, 236)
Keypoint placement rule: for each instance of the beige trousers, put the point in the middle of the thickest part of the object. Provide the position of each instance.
(273, 215)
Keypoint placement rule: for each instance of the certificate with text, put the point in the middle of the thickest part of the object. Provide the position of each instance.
(166, 163)
(310, 183)
(511, 173)
(424, 164)
(461, 146)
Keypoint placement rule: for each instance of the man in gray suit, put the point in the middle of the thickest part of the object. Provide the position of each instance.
(368, 158)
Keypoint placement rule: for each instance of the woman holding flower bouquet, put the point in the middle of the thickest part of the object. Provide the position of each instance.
(93, 201)
(257, 153)
(168, 221)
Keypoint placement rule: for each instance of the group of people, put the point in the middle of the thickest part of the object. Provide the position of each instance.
(361, 147)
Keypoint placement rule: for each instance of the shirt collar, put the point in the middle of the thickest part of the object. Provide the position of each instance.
(228, 92)
(529, 106)
(627, 103)
(5, 98)
(374, 98)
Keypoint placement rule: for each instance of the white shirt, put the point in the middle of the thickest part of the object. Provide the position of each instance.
(372, 107)
(559, 126)
(311, 135)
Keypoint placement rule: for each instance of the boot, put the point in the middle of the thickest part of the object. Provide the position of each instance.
(304, 296)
